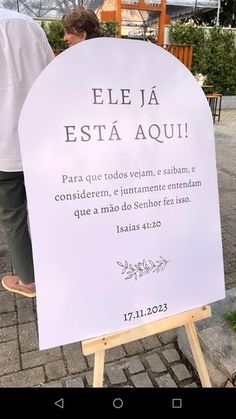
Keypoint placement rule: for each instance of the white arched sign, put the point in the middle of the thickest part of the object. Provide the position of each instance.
(119, 159)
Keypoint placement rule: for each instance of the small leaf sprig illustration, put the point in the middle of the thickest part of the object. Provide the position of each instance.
(142, 268)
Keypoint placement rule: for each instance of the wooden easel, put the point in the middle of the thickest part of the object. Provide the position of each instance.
(99, 345)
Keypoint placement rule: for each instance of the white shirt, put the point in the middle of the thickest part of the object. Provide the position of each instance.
(24, 52)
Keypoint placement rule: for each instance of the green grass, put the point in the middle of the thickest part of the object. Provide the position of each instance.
(231, 316)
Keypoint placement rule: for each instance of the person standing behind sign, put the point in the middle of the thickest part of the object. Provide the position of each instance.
(80, 24)
(24, 53)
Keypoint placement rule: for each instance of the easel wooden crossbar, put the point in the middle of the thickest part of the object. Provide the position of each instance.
(99, 345)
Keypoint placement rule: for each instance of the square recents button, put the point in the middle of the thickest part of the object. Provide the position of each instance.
(177, 403)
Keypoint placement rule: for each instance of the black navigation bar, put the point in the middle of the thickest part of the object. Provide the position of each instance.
(61, 401)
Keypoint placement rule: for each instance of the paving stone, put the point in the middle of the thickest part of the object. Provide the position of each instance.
(25, 310)
(141, 380)
(155, 363)
(181, 372)
(53, 384)
(165, 381)
(90, 360)
(26, 378)
(28, 337)
(8, 333)
(10, 357)
(133, 348)
(7, 303)
(151, 342)
(75, 360)
(192, 385)
(228, 102)
(89, 378)
(171, 355)
(114, 354)
(217, 378)
(74, 382)
(8, 319)
(55, 370)
(168, 337)
(115, 374)
(36, 358)
(134, 365)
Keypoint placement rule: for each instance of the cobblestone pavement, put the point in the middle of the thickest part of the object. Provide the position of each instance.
(151, 362)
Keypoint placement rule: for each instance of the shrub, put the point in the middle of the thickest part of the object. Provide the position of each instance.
(214, 54)
(55, 34)
(109, 29)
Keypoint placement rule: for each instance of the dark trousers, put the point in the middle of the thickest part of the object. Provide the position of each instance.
(13, 217)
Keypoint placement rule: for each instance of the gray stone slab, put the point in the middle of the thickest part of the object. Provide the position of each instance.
(134, 365)
(228, 102)
(217, 378)
(171, 355)
(155, 363)
(55, 370)
(151, 342)
(25, 310)
(89, 378)
(8, 319)
(90, 360)
(75, 360)
(75, 382)
(141, 380)
(26, 378)
(168, 337)
(28, 337)
(36, 358)
(8, 333)
(133, 348)
(221, 351)
(166, 381)
(217, 338)
(181, 372)
(114, 354)
(7, 302)
(116, 374)
(10, 357)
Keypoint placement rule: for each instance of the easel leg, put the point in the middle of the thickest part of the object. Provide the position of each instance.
(99, 345)
(198, 355)
(98, 369)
